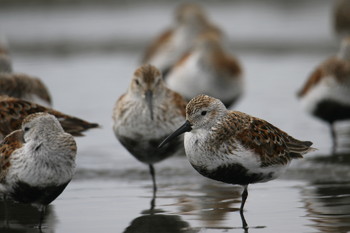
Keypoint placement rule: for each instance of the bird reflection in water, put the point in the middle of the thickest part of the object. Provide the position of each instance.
(213, 206)
(156, 222)
(17, 217)
(328, 206)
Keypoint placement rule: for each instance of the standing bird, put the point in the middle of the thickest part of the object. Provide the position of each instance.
(13, 111)
(25, 87)
(326, 93)
(233, 147)
(37, 162)
(145, 115)
(208, 69)
(170, 46)
(341, 17)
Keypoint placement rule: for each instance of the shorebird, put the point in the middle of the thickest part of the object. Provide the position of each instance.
(145, 115)
(37, 162)
(234, 147)
(171, 45)
(25, 87)
(341, 17)
(326, 93)
(13, 111)
(208, 69)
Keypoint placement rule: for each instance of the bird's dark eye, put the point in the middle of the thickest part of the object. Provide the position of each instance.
(203, 113)
(137, 82)
(26, 129)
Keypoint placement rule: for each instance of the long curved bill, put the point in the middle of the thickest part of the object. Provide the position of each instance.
(187, 127)
(149, 100)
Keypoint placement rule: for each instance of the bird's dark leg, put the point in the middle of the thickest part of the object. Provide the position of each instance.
(334, 137)
(6, 213)
(151, 169)
(244, 198)
(42, 215)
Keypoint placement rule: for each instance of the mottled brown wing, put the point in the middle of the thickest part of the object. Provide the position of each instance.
(120, 107)
(156, 44)
(332, 67)
(272, 144)
(313, 79)
(180, 103)
(13, 111)
(11, 142)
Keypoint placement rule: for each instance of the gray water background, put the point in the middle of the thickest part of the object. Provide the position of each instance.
(86, 52)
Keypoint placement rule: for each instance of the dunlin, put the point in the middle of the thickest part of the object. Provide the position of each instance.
(341, 17)
(24, 87)
(208, 69)
(13, 111)
(171, 45)
(37, 161)
(233, 147)
(5, 59)
(326, 93)
(145, 115)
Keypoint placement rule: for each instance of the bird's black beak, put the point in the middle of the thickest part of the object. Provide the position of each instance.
(149, 100)
(187, 127)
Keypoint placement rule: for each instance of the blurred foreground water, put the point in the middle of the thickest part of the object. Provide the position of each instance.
(86, 56)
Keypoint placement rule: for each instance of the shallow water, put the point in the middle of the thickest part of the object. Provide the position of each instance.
(111, 192)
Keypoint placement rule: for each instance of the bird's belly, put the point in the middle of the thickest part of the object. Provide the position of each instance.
(241, 166)
(25, 193)
(236, 174)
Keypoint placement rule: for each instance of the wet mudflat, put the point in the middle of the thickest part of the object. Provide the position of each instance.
(111, 191)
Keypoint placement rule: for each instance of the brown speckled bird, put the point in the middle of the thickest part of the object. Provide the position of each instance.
(25, 87)
(208, 69)
(13, 111)
(145, 115)
(37, 162)
(233, 147)
(170, 46)
(326, 93)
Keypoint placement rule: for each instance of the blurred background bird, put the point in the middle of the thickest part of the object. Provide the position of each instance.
(326, 93)
(208, 69)
(25, 87)
(190, 21)
(341, 18)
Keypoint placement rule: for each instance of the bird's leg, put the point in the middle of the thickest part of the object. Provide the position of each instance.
(6, 213)
(42, 210)
(151, 169)
(244, 198)
(334, 137)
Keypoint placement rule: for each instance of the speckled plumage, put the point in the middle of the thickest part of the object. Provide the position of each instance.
(146, 114)
(13, 111)
(37, 161)
(24, 87)
(234, 147)
(208, 69)
(172, 44)
(326, 93)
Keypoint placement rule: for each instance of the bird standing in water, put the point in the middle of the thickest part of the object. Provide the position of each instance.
(37, 162)
(326, 93)
(233, 147)
(145, 115)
